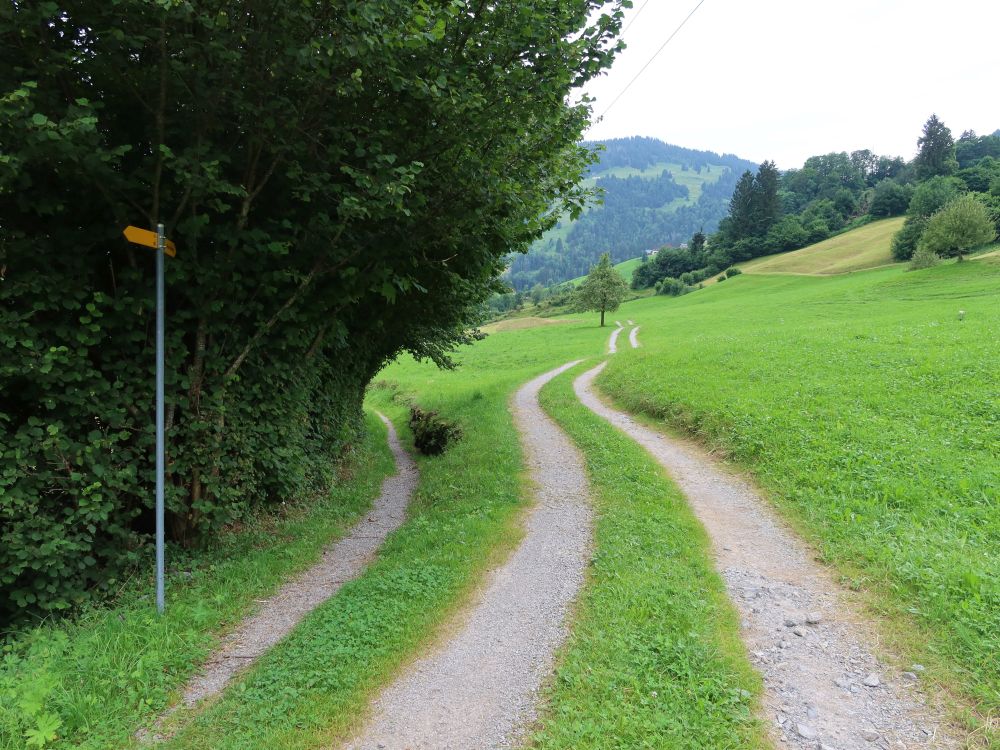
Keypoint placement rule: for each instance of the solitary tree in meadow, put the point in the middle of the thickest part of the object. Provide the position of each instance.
(604, 288)
(963, 224)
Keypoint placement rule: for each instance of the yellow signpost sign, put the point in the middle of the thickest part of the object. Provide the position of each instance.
(138, 236)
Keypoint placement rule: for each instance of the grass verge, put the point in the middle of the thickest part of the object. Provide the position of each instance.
(655, 658)
(90, 682)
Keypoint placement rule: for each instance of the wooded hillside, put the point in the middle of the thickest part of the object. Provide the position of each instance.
(653, 193)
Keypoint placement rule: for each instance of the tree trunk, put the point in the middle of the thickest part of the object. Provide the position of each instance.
(602, 318)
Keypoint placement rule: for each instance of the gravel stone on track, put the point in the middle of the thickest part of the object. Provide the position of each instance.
(479, 690)
(823, 686)
(342, 561)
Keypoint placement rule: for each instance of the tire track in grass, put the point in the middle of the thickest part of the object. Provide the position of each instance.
(613, 341)
(823, 685)
(633, 337)
(479, 690)
(344, 560)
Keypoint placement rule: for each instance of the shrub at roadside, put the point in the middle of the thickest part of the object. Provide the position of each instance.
(431, 434)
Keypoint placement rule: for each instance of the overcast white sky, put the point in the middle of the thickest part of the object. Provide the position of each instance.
(787, 79)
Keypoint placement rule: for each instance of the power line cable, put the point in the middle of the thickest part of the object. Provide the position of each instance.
(635, 16)
(650, 61)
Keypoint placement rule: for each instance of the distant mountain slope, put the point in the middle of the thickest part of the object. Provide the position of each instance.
(655, 194)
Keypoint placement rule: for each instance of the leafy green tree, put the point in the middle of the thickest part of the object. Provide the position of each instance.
(904, 242)
(963, 224)
(604, 288)
(970, 148)
(980, 176)
(936, 150)
(339, 191)
(889, 199)
(933, 194)
(740, 222)
(787, 234)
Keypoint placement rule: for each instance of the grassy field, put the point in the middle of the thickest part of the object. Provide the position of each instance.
(861, 403)
(90, 683)
(871, 414)
(655, 658)
(862, 248)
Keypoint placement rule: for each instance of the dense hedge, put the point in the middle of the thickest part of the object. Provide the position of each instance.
(76, 464)
(343, 180)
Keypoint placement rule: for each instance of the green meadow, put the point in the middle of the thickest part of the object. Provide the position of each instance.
(867, 406)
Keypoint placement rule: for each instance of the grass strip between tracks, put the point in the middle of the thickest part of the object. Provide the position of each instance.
(655, 658)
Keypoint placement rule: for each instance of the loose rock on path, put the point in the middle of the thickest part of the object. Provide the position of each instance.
(479, 690)
(824, 688)
(341, 562)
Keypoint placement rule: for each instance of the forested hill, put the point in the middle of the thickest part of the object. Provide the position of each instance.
(655, 194)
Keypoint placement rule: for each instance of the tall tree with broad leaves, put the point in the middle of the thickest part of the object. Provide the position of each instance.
(604, 288)
(960, 226)
(343, 180)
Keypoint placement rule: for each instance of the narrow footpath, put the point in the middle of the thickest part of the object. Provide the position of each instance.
(341, 562)
(479, 690)
(824, 688)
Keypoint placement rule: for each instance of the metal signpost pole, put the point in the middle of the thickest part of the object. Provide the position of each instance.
(162, 246)
(160, 252)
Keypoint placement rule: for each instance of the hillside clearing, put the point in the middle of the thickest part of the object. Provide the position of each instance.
(862, 248)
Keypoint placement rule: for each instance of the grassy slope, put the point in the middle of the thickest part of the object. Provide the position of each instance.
(315, 686)
(93, 681)
(654, 659)
(862, 248)
(872, 415)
